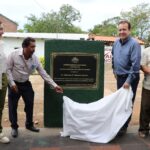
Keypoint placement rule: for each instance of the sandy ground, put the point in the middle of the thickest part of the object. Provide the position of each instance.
(38, 86)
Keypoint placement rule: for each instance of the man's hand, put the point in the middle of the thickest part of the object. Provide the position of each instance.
(58, 89)
(146, 69)
(126, 85)
(14, 88)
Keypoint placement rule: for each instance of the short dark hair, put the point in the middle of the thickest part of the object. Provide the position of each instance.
(26, 41)
(125, 21)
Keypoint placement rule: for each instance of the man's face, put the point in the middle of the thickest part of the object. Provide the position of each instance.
(124, 31)
(30, 49)
(1, 31)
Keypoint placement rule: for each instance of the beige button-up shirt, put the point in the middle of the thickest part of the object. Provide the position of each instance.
(19, 69)
(145, 61)
(3, 60)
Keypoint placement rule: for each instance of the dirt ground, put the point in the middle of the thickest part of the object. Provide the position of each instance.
(38, 86)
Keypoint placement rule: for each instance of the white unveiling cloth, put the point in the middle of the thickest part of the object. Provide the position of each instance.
(98, 121)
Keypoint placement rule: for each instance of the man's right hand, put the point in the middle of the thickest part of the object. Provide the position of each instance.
(14, 88)
(126, 85)
(58, 89)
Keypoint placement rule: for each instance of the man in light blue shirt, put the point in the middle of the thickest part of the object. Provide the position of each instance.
(126, 58)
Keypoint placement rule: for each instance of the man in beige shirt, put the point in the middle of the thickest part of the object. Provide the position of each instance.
(20, 65)
(145, 97)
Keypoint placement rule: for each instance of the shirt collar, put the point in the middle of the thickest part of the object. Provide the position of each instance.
(20, 53)
(124, 42)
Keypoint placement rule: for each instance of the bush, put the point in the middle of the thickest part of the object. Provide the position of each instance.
(42, 61)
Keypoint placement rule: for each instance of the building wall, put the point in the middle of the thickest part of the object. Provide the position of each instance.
(10, 45)
(14, 40)
(9, 26)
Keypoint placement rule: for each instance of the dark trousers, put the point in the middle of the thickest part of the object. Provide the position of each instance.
(2, 97)
(145, 110)
(27, 93)
(120, 81)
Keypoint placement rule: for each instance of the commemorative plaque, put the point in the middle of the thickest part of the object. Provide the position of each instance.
(78, 67)
(75, 70)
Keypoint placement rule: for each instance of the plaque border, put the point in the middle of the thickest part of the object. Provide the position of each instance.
(97, 55)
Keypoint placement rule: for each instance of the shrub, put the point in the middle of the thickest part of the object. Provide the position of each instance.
(42, 61)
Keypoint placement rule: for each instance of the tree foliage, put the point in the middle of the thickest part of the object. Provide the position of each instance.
(107, 28)
(139, 16)
(55, 22)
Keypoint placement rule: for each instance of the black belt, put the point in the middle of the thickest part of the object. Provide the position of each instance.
(123, 75)
(126, 75)
(21, 83)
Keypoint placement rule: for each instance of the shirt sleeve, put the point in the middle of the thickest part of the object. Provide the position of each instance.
(9, 69)
(44, 74)
(112, 53)
(135, 59)
(144, 58)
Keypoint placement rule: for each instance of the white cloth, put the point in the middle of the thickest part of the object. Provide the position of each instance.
(98, 121)
(19, 69)
(3, 60)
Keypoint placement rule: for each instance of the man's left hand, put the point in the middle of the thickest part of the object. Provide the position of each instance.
(126, 85)
(58, 89)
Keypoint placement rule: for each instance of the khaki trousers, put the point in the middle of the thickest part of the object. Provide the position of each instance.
(2, 97)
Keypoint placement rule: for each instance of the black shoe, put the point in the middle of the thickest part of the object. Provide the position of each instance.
(32, 128)
(14, 132)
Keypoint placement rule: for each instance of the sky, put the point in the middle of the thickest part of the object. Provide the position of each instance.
(92, 12)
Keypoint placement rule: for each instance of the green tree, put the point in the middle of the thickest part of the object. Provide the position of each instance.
(107, 28)
(42, 61)
(139, 16)
(147, 41)
(55, 22)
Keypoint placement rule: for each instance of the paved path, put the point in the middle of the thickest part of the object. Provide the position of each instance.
(49, 139)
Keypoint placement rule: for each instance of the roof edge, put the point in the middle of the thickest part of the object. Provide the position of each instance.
(9, 19)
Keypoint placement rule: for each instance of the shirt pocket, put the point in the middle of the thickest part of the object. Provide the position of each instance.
(33, 68)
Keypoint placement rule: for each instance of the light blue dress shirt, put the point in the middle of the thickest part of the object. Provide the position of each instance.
(126, 58)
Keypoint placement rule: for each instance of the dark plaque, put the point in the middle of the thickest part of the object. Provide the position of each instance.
(75, 70)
